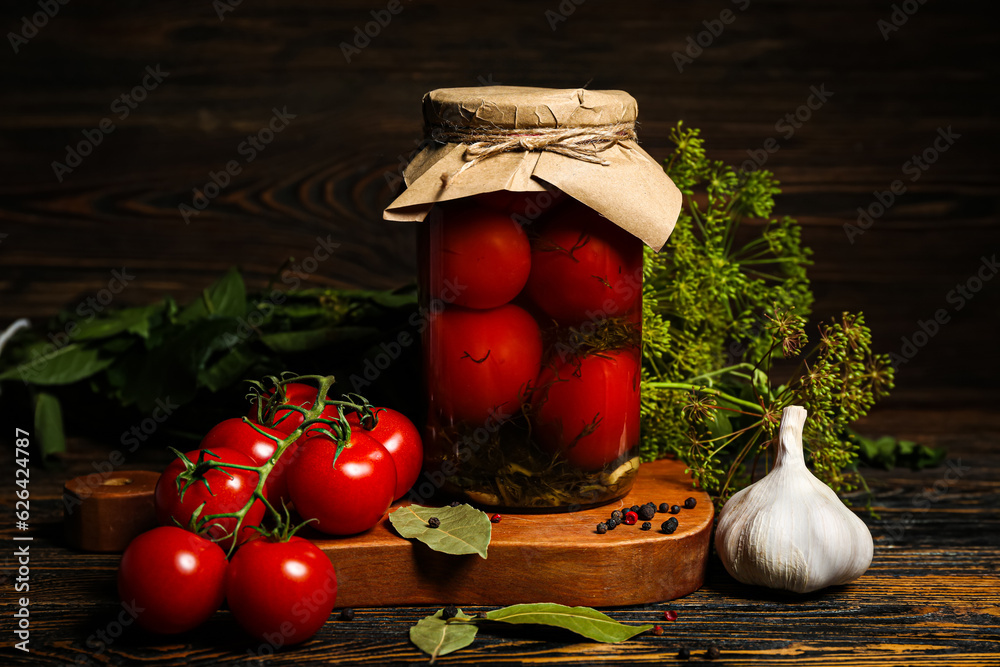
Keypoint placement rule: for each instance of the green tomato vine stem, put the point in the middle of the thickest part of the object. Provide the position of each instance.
(339, 430)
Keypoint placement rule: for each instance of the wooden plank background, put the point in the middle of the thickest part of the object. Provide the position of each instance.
(326, 173)
(932, 595)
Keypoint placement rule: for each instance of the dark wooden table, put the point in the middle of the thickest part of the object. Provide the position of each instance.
(931, 597)
(932, 594)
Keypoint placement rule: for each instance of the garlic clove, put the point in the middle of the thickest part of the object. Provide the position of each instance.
(789, 530)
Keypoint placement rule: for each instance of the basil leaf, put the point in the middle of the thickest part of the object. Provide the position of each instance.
(171, 370)
(392, 299)
(584, 621)
(227, 297)
(226, 370)
(463, 529)
(66, 365)
(887, 452)
(129, 320)
(302, 341)
(435, 636)
(49, 425)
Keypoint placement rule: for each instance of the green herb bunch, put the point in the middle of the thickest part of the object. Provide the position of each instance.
(727, 298)
(725, 306)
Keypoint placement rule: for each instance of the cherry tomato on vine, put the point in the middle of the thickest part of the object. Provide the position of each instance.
(226, 491)
(173, 579)
(237, 434)
(402, 440)
(588, 409)
(281, 592)
(583, 265)
(287, 420)
(346, 497)
(478, 255)
(484, 361)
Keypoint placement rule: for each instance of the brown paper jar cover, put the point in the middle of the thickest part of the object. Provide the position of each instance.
(631, 190)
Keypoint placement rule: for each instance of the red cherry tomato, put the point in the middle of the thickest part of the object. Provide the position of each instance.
(228, 491)
(478, 257)
(588, 409)
(281, 592)
(481, 362)
(237, 434)
(583, 266)
(173, 579)
(346, 497)
(296, 393)
(402, 440)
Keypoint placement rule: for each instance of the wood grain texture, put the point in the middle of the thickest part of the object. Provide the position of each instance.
(552, 557)
(329, 171)
(931, 597)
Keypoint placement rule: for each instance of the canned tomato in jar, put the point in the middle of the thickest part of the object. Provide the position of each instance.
(534, 206)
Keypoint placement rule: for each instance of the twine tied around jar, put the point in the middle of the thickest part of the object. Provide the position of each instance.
(580, 142)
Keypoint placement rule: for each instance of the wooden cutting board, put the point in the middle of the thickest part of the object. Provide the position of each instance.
(539, 557)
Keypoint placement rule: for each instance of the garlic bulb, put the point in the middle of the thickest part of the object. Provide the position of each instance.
(789, 530)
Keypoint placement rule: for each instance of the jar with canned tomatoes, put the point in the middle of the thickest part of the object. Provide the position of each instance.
(534, 207)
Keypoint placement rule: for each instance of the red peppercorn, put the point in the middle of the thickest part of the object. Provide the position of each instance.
(670, 615)
(496, 518)
(657, 630)
(630, 518)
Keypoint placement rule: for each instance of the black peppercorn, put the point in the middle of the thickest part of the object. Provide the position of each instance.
(664, 507)
(690, 503)
(684, 653)
(602, 528)
(669, 526)
(647, 512)
(434, 522)
(634, 508)
(675, 509)
(347, 614)
(449, 612)
(646, 525)
(454, 503)
(617, 515)
(712, 653)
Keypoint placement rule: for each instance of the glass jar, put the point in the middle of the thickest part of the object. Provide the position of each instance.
(530, 275)
(532, 365)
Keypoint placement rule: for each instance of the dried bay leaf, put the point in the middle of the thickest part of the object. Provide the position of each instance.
(584, 621)
(463, 529)
(435, 636)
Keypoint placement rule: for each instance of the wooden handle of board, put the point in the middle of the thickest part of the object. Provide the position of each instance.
(104, 512)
